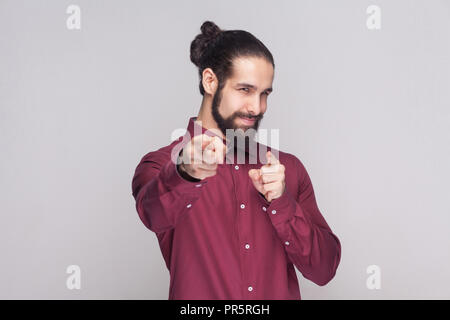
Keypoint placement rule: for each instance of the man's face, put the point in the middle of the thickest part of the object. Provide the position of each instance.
(242, 102)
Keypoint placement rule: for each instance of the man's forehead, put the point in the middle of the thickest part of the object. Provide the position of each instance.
(253, 71)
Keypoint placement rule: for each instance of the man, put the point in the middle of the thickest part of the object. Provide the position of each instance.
(231, 230)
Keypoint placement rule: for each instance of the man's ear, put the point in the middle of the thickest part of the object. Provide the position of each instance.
(209, 81)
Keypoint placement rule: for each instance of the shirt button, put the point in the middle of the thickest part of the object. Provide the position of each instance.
(236, 167)
(198, 185)
(189, 205)
(242, 206)
(250, 288)
(286, 243)
(274, 211)
(264, 208)
(247, 246)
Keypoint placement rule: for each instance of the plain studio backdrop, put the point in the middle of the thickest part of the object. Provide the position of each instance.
(366, 110)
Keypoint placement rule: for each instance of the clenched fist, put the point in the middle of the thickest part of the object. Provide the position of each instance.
(269, 179)
(201, 156)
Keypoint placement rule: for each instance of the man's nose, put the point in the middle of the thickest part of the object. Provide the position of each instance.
(254, 108)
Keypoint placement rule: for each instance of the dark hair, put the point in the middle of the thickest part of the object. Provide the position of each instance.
(215, 48)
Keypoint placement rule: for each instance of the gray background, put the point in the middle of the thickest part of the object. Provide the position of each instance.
(366, 111)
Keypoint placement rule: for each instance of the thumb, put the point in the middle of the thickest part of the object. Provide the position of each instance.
(254, 174)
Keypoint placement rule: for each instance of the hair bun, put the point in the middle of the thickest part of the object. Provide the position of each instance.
(210, 31)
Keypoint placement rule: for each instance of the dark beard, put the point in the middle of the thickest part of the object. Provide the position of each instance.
(228, 123)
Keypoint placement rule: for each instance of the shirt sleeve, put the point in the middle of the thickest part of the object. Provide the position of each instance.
(308, 240)
(163, 197)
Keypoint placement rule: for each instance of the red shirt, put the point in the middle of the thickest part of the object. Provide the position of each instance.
(221, 239)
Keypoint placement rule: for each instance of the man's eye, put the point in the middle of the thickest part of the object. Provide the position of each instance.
(245, 89)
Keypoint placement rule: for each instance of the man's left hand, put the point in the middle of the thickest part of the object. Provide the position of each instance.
(269, 180)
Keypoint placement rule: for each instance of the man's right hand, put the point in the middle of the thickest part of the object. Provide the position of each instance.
(200, 157)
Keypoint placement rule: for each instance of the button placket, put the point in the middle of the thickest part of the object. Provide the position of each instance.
(244, 222)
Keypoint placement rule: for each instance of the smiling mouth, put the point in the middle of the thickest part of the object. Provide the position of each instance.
(246, 120)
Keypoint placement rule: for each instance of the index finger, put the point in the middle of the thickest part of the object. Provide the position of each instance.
(201, 141)
(220, 149)
(271, 159)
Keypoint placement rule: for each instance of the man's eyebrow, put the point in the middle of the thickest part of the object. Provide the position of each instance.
(243, 84)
